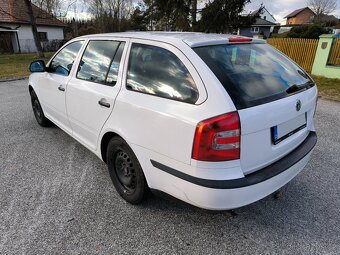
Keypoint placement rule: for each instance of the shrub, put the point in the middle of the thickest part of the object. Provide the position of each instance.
(310, 31)
(52, 45)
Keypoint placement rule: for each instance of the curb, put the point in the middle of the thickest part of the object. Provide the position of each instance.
(15, 79)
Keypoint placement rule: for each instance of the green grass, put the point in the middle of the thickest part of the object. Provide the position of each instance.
(328, 88)
(16, 65)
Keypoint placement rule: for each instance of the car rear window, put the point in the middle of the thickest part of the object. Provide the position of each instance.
(254, 74)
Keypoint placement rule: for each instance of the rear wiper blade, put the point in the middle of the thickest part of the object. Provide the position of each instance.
(294, 88)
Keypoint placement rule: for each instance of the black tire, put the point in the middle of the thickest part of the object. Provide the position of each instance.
(38, 111)
(125, 171)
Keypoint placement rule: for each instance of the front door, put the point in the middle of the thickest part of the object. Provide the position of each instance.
(53, 85)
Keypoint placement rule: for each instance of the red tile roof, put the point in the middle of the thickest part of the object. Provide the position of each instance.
(296, 12)
(15, 11)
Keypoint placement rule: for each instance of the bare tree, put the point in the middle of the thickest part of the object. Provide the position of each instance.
(57, 8)
(53, 7)
(50, 6)
(121, 9)
(102, 9)
(322, 6)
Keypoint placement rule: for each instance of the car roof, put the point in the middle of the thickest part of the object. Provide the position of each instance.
(192, 39)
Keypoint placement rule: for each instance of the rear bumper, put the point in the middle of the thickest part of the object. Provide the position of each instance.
(229, 194)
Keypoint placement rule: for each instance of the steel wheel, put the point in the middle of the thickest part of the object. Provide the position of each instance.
(38, 111)
(125, 171)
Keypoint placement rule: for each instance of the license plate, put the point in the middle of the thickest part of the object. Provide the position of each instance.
(288, 128)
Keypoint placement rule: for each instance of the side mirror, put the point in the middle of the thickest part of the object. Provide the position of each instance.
(37, 66)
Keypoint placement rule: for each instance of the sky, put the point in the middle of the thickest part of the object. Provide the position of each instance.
(278, 8)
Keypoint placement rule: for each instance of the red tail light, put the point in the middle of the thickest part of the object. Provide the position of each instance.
(218, 138)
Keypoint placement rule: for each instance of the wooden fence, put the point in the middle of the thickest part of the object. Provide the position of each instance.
(302, 51)
(334, 55)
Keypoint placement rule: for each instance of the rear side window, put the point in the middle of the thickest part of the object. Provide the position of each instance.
(97, 59)
(157, 71)
(253, 74)
(62, 63)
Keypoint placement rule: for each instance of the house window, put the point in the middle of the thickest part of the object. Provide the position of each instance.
(42, 36)
(264, 17)
(254, 29)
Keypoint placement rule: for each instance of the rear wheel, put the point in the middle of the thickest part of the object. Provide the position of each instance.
(38, 112)
(125, 171)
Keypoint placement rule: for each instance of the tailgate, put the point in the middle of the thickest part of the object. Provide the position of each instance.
(282, 118)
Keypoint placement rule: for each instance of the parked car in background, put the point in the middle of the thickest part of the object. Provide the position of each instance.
(218, 121)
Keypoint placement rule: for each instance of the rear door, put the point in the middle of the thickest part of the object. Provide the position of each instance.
(93, 89)
(274, 97)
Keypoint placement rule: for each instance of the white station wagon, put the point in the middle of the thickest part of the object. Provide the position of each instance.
(218, 121)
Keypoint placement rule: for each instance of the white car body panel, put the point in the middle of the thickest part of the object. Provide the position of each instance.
(257, 148)
(163, 130)
(224, 199)
(53, 100)
(86, 116)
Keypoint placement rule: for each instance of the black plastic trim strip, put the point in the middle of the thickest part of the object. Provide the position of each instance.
(251, 179)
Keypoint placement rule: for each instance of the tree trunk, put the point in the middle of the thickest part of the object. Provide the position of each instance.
(193, 14)
(34, 28)
(74, 28)
(118, 12)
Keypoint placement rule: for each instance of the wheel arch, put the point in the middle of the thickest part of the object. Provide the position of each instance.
(30, 88)
(105, 142)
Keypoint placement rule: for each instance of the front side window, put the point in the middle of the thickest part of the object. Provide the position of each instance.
(157, 71)
(62, 63)
(99, 58)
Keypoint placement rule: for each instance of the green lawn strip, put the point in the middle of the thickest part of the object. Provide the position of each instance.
(328, 88)
(16, 65)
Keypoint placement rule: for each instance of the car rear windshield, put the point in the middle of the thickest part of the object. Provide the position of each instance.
(254, 74)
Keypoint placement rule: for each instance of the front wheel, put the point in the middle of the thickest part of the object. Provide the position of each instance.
(38, 112)
(125, 171)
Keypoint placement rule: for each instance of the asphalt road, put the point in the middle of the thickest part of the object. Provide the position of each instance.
(56, 197)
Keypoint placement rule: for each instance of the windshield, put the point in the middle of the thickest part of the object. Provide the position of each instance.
(253, 74)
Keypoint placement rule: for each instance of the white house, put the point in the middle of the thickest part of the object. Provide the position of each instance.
(16, 32)
(264, 23)
(264, 14)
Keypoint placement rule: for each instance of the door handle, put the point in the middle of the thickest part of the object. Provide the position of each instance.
(61, 88)
(103, 103)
